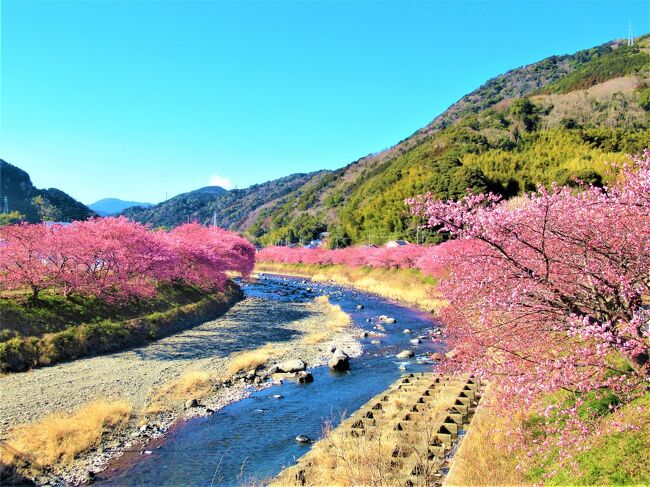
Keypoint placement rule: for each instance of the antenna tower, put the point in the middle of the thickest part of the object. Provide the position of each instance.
(630, 36)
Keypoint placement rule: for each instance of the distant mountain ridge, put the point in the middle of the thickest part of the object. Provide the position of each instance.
(554, 120)
(232, 209)
(113, 206)
(37, 204)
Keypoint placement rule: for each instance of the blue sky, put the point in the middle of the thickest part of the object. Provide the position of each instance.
(136, 99)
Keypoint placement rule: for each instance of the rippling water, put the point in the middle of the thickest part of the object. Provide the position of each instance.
(253, 439)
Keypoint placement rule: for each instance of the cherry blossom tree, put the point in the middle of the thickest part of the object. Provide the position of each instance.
(205, 254)
(24, 258)
(547, 294)
(115, 259)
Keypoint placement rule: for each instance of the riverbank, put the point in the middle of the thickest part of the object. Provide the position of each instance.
(137, 377)
(404, 285)
(56, 329)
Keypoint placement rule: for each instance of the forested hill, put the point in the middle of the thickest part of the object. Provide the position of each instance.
(554, 120)
(27, 202)
(236, 208)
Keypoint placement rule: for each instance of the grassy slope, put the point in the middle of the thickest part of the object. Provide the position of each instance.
(614, 458)
(56, 329)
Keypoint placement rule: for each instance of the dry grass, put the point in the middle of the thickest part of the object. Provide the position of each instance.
(317, 337)
(337, 319)
(254, 358)
(192, 384)
(611, 103)
(407, 285)
(59, 438)
(483, 457)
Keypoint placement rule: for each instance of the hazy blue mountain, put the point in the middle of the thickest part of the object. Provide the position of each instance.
(113, 206)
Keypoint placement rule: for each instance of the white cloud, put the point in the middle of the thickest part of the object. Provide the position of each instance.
(224, 182)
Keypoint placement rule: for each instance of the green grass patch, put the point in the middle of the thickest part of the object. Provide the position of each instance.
(614, 458)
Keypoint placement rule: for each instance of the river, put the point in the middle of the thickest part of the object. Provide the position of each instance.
(250, 441)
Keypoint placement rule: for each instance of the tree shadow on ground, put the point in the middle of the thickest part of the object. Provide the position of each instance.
(245, 327)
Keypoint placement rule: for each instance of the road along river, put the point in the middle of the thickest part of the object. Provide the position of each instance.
(251, 440)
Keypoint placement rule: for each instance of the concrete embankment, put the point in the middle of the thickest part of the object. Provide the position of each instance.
(403, 436)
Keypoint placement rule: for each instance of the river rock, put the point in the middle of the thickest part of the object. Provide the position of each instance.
(291, 366)
(359, 307)
(309, 289)
(274, 370)
(437, 356)
(407, 331)
(339, 361)
(405, 354)
(415, 341)
(304, 377)
(390, 321)
(277, 396)
(375, 342)
(302, 439)
(191, 403)
(364, 334)
(380, 328)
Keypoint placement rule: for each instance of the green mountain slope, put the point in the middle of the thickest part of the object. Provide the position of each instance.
(507, 136)
(37, 204)
(554, 120)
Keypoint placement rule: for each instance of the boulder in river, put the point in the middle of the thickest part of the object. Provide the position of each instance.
(390, 321)
(415, 341)
(359, 307)
(302, 439)
(304, 377)
(437, 356)
(375, 342)
(339, 361)
(405, 354)
(295, 365)
(407, 331)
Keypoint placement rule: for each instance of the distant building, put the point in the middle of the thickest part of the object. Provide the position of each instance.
(396, 243)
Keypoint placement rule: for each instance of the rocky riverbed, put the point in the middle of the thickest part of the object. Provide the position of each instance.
(133, 375)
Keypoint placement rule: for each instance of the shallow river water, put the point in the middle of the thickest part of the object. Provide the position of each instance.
(252, 440)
